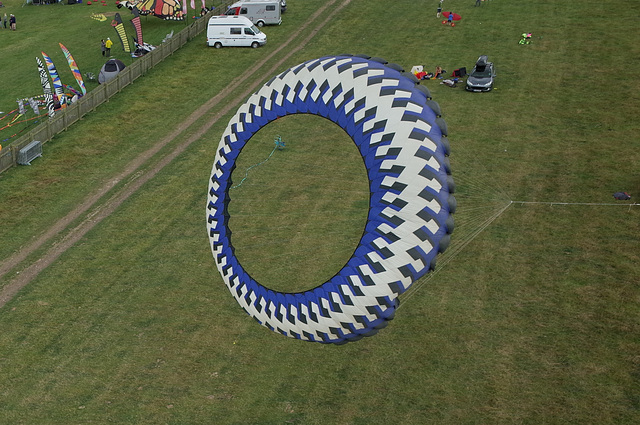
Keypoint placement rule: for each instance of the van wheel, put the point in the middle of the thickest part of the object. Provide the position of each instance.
(255, 44)
(260, 24)
(217, 45)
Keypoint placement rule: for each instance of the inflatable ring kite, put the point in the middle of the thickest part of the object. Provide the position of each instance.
(402, 139)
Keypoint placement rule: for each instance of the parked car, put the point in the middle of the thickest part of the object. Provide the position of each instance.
(482, 76)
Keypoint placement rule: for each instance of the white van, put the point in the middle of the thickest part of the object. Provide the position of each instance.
(260, 12)
(233, 31)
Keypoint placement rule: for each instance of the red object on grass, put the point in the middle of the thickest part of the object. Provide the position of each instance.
(456, 17)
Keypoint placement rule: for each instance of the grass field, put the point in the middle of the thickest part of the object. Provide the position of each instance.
(533, 315)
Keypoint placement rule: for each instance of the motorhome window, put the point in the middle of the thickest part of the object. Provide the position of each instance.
(236, 31)
(249, 31)
(271, 8)
(243, 11)
(231, 12)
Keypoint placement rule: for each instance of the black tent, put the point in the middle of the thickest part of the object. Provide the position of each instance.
(110, 69)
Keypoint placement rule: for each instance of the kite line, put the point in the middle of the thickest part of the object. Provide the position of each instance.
(458, 244)
(279, 145)
(591, 204)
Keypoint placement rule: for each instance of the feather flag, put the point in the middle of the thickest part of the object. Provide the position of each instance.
(46, 87)
(74, 68)
(137, 25)
(34, 106)
(193, 4)
(119, 27)
(57, 84)
(21, 108)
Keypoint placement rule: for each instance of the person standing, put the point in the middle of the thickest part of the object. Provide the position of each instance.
(5, 21)
(12, 22)
(477, 2)
(108, 45)
(439, 10)
(103, 46)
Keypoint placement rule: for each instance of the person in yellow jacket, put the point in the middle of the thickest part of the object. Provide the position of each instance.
(107, 45)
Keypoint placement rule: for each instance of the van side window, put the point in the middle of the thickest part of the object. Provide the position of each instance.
(243, 10)
(236, 31)
(249, 31)
(271, 8)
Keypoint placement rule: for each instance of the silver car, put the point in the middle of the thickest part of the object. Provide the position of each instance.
(482, 76)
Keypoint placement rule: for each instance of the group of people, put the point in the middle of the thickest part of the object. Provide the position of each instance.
(106, 47)
(439, 12)
(11, 20)
(421, 74)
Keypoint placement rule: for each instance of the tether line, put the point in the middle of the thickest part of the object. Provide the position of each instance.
(279, 144)
(452, 252)
(591, 204)
(466, 239)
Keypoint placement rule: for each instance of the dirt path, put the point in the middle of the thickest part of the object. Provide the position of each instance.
(103, 210)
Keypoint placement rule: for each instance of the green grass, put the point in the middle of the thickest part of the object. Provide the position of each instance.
(534, 320)
(271, 209)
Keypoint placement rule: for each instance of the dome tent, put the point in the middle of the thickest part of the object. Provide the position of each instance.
(109, 70)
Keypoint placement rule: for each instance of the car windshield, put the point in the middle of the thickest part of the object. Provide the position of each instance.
(481, 72)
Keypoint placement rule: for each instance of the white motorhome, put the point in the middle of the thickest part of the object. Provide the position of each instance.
(283, 4)
(233, 31)
(259, 12)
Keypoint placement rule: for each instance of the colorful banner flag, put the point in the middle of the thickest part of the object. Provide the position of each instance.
(57, 84)
(46, 87)
(137, 26)
(119, 27)
(74, 68)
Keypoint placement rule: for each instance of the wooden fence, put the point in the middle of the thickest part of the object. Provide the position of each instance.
(64, 118)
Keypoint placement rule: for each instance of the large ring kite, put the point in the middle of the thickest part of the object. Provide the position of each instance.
(402, 139)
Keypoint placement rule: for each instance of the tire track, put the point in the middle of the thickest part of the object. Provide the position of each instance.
(105, 209)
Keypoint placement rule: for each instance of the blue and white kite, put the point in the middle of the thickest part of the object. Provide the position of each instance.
(402, 139)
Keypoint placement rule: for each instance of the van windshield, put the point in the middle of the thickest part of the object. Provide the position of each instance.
(254, 30)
